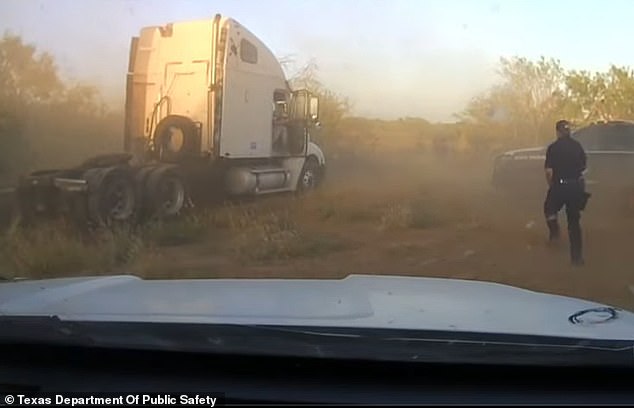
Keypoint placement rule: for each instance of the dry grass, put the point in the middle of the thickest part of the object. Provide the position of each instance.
(416, 214)
(187, 230)
(55, 249)
(425, 215)
(257, 233)
(383, 195)
(395, 216)
(264, 235)
(405, 249)
(345, 205)
(333, 209)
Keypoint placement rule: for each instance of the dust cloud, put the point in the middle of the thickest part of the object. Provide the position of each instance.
(475, 232)
(431, 84)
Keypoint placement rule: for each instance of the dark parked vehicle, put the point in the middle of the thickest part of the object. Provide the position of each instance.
(610, 150)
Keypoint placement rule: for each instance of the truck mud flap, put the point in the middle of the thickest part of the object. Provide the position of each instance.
(37, 198)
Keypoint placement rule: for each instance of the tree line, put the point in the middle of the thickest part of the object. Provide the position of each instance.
(520, 110)
(44, 120)
(533, 95)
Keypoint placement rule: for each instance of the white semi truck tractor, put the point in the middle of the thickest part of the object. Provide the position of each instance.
(209, 114)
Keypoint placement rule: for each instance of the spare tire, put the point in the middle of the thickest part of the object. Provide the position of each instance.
(166, 192)
(177, 138)
(111, 195)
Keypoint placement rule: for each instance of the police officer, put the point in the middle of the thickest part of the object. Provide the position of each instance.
(564, 166)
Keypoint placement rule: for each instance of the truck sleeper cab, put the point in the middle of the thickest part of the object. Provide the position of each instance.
(229, 85)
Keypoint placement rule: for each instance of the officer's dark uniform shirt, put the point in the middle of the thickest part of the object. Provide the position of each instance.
(566, 157)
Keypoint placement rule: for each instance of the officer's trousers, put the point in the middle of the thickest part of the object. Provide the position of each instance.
(571, 196)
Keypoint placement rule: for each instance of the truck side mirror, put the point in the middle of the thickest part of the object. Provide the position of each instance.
(304, 106)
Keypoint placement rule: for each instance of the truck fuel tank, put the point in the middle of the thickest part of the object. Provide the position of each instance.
(256, 180)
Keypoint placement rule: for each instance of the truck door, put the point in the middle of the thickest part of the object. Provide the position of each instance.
(297, 129)
(280, 129)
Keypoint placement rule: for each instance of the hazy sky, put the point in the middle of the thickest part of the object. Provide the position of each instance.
(392, 58)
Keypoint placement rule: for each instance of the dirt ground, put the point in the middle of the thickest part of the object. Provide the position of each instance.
(471, 232)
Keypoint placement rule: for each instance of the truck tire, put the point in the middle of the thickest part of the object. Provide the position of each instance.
(140, 183)
(175, 127)
(111, 196)
(165, 193)
(309, 178)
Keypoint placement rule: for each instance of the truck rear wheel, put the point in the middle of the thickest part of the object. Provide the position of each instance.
(165, 192)
(140, 181)
(111, 196)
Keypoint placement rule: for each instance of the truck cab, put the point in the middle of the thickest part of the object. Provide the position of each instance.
(211, 90)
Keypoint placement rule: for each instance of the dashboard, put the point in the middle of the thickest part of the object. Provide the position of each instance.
(258, 380)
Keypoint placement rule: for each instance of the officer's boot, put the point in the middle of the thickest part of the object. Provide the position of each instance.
(574, 235)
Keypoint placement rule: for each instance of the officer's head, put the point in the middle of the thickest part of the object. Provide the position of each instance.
(563, 128)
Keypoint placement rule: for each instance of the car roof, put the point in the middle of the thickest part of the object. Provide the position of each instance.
(605, 124)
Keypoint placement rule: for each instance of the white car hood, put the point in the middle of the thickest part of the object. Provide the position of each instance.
(358, 301)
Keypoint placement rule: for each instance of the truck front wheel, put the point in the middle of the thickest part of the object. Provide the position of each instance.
(310, 176)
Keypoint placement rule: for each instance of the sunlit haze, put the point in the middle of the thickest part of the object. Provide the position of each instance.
(391, 58)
